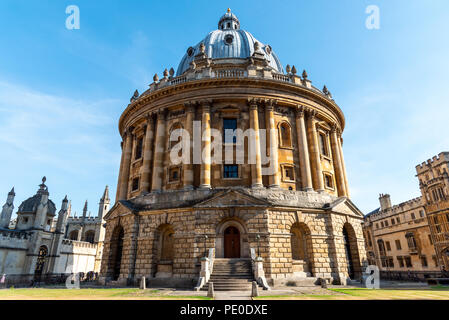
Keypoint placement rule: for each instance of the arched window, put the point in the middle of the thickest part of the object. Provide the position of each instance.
(73, 235)
(166, 246)
(89, 236)
(285, 135)
(301, 246)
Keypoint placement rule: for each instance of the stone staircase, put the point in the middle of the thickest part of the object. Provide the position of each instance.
(231, 275)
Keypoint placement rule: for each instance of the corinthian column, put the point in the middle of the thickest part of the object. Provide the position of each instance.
(120, 173)
(336, 157)
(343, 163)
(145, 170)
(274, 179)
(188, 167)
(206, 161)
(127, 153)
(306, 174)
(254, 147)
(314, 152)
(158, 167)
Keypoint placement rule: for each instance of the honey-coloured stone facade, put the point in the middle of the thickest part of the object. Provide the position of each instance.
(168, 215)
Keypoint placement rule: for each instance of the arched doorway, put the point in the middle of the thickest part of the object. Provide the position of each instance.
(351, 251)
(115, 258)
(348, 254)
(232, 243)
(40, 263)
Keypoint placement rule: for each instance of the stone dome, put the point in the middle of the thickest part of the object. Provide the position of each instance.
(230, 42)
(30, 205)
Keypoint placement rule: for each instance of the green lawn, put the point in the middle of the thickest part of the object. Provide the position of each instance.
(91, 294)
(434, 293)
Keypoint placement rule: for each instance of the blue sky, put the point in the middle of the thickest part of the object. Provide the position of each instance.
(62, 91)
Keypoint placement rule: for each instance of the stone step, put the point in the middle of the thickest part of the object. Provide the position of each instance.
(230, 277)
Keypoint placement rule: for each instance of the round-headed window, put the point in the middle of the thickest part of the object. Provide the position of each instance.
(190, 51)
(268, 49)
(229, 39)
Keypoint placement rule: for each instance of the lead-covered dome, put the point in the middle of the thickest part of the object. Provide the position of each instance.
(229, 42)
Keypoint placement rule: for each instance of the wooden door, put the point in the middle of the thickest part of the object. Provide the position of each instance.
(232, 243)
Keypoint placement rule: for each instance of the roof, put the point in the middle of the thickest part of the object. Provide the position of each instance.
(30, 205)
(229, 43)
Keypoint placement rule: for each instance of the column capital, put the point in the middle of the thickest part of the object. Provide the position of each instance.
(149, 117)
(129, 132)
(300, 111)
(161, 114)
(190, 106)
(311, 113)
(254, 101)
(270, 104)
(334, 128)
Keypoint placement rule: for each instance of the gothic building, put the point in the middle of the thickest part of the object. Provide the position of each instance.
(36, 247)
(284, 202)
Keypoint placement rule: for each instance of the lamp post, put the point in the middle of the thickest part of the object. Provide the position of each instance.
(258, 245)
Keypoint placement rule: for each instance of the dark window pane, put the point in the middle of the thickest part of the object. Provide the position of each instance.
(228, 126)
(231, 171)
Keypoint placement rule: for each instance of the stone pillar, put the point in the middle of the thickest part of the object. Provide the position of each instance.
(341, 186)
(274, 179)
(146, 168)
(343, 163)
(158, 167)
(120, 173)
(314, 152)
(5, 217)
(127, 153)
(304, 161)
(254, 147)
(188, 167)
(206, 161)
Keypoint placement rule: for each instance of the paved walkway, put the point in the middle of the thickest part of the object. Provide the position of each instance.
(232, 295)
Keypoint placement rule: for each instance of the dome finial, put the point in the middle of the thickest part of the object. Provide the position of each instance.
(229, 10)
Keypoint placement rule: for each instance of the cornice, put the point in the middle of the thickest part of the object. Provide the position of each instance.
(194, 85)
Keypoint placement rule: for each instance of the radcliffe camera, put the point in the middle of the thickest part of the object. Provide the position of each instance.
(224, 158)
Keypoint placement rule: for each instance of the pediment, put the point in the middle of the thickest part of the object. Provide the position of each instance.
(344, 205)
(118, 209)
(232, 198)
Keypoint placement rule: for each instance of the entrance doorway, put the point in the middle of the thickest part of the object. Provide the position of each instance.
(232, 243)
(348, 253)
(118, 255)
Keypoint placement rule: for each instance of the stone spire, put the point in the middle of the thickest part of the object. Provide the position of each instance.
(62, 216)
(85, 210)
(105, 195)
(7, 210)
(42, 208)
(103, 208)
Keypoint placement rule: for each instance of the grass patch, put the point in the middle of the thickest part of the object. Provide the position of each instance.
(91, 294)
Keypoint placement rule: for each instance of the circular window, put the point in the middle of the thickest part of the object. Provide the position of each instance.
(190, 51)
(268, 49)
(229, 39)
